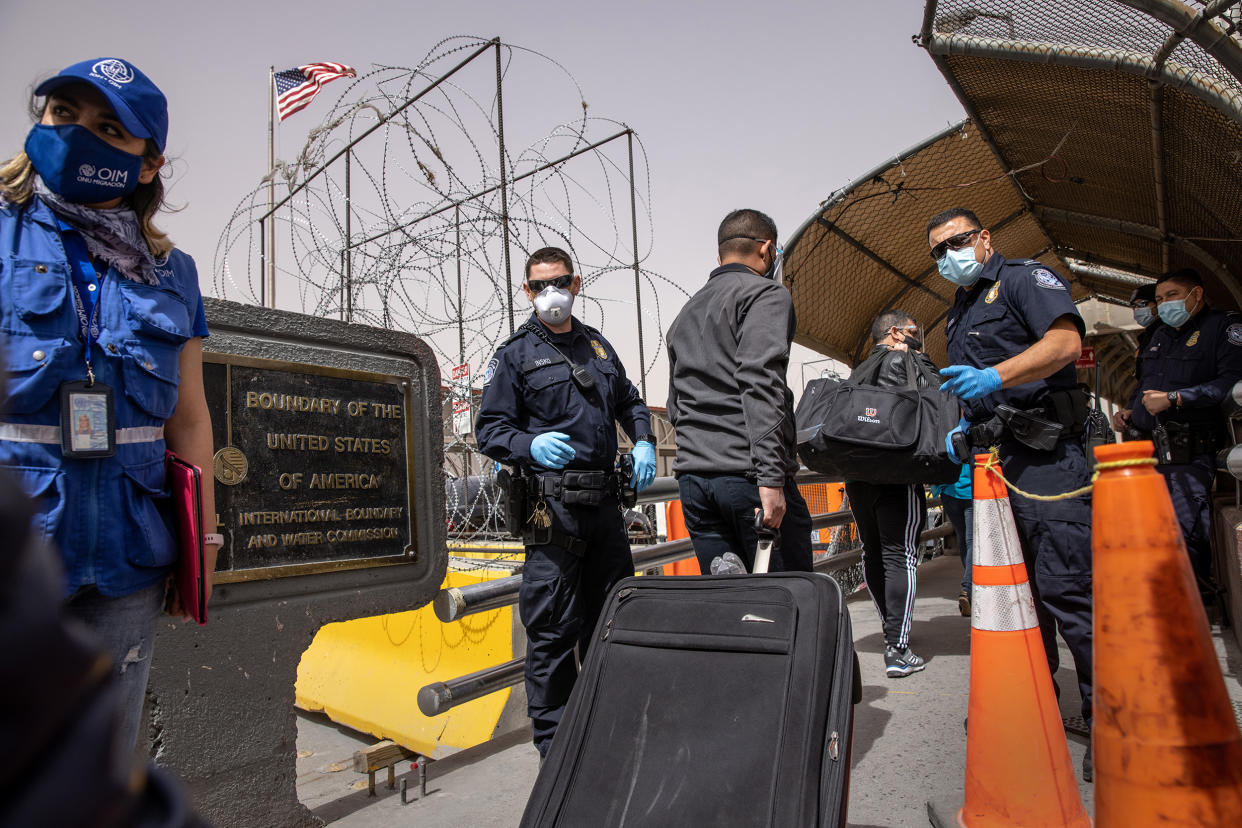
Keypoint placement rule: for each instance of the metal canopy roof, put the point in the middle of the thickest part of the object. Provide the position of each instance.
(1104, 136)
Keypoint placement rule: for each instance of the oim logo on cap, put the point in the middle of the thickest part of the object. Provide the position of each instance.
(114, 70)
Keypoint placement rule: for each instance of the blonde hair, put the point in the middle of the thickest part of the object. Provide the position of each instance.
(17, 178)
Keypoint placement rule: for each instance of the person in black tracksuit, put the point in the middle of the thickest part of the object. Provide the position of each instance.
(728, 351)
(1186, 368)
(890, 516)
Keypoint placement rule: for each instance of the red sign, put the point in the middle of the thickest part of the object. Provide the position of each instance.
(460, 372)
(1087, 358)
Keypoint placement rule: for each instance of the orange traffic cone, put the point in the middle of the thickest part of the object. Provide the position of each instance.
(676, 521)
(1018, 768)
(1166, 746)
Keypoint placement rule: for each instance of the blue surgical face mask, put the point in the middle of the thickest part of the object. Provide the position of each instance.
(960, 266)
(79, 166)
(776, 270)
(1173, 312)
(1144, 316)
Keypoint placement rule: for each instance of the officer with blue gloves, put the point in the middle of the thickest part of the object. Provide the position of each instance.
(1013, 334)
(1186, 368)
(552, 397)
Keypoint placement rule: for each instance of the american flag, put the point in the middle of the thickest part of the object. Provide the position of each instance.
(296, 88)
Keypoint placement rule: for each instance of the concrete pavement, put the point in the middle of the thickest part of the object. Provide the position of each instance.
(908, 747)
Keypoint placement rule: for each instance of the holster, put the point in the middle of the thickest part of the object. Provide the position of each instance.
(516, 489)
(1028, 429)
(577, 488)
(1178, 443)
(627, 494)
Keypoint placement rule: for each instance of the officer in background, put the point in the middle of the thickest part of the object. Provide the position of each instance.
(552, 396)
(1143, 306)
(1013, 334)
(1187, 368)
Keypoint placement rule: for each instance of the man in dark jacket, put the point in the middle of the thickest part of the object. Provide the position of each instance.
(736, 452)
(890, 516)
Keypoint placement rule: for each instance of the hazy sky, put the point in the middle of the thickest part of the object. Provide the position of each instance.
(772, 105)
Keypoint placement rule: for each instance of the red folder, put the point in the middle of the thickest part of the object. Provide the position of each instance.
(185, 487)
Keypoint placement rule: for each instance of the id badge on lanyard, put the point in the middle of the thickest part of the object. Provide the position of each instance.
(87, 423)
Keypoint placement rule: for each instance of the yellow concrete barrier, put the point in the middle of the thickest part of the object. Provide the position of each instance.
(366, 674)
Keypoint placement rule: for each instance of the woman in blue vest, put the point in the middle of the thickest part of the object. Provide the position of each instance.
(101, 326)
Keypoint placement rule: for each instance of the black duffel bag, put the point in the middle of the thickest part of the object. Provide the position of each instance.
(856, 430)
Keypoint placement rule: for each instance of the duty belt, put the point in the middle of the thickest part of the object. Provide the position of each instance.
(562, 483)
(50, 435)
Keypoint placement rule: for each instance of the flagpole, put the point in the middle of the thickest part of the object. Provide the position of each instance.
(271, 186)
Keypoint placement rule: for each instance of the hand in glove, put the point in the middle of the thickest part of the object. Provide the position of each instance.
(970, 383)
(962, 424)
(552, 450)
(644, 465)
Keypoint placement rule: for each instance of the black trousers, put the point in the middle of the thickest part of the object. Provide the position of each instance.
(720, 517)
(1056, 546)
(1190, 489)
(560, 600)
(890, 517)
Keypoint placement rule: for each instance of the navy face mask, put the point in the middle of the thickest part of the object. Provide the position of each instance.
(79, 166)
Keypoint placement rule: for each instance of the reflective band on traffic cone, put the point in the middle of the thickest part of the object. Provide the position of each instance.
(1166, 745)
(1018, 768)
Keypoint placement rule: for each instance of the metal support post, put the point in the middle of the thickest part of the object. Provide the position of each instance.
(504, 190)
(638, 292)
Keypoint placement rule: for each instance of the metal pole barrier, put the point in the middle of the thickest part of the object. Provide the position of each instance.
(262, 263)
(457, 602)
(441, 696)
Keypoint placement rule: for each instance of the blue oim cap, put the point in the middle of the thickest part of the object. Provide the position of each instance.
(139, 104)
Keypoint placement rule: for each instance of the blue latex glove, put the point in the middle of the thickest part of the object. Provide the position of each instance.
(948, 441)
(552, 450)
(970, 383)
(644, 465)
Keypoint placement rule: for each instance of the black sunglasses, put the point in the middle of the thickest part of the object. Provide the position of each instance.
(563, 281)
(956, 242)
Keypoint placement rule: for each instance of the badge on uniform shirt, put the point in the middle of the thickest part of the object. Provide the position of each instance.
(1193, 341)
(1047, 279)
(993, 293)
(1234, 333)
(490, 371)
(599, 349)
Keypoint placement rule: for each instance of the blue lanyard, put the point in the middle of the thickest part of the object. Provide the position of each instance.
(85, 300)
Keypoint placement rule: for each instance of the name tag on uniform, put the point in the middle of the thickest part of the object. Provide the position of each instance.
(87, 429)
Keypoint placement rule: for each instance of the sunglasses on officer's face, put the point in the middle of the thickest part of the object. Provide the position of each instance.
(563, 281)
(955, 242)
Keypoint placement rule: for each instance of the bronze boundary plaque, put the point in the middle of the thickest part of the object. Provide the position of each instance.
(224, 440)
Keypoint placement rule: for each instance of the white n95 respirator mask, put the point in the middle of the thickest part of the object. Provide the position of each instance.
(553, 305)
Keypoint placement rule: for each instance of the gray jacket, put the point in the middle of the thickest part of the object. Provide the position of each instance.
(728, 351)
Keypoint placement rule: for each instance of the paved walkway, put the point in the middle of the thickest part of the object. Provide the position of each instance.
(909, 745)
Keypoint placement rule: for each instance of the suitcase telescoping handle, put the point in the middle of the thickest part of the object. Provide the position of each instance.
(763, 548)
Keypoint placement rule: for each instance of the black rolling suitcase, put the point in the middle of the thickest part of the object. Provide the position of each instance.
(708, 701)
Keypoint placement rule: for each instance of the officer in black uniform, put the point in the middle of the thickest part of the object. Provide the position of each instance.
(552, 396)
(1143, 306)
(1013, 335)
(1186, 370)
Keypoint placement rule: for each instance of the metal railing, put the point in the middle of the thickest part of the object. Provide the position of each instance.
(451, 604)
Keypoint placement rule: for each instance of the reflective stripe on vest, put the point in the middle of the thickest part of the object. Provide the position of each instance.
(50, 435)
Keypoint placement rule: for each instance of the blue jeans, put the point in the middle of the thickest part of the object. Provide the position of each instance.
(126, 629)
(720, 516)
(961, 514)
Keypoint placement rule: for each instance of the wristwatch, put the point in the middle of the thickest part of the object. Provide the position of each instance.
(1175, 399)
(645, 438)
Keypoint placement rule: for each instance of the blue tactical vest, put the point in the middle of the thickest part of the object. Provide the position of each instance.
(101, 514)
